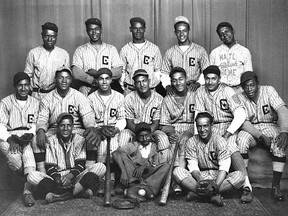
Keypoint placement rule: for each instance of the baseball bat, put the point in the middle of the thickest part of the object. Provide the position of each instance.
(166, 187)
(107, 186)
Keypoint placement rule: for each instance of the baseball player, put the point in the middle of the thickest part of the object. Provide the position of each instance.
(44, 60)
(143, 105)
(264, 106)
(18, 120)
(229, 115)
(65, 162)
(231, 58)
(141, 161)
(208, 158)
(96, 54)
(109, 109)
(62, 99)
(140, 53)
(186, 54)
(177, 115)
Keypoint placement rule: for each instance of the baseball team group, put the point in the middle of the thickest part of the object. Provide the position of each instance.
(188, 112)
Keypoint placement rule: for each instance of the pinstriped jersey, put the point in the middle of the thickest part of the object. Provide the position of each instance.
(194, 60)
(138, 111)
(147, 57)
(208, 155)
(87, 57)
(64, 155)
(42, 64)
(264, 110)
(13, 116)
(109, 113)
(221, 104)
(179, 115)
(75, 103)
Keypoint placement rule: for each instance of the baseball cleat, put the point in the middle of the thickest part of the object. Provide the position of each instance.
(28, 200)
(277, 194)
(246, 196)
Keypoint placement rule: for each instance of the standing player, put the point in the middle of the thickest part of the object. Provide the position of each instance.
(62, 99)
(96, 54)
(208, 159)
(177, 114)
(186, 54)
(143, 105)
(229, 115)
(231, 58)
(264, 107)
(44, 60)
(109, 109)
(17, 122)
(140, 53)
(65, 162)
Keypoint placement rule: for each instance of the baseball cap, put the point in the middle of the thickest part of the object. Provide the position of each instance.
(181, 19)
(20, 76)
(50, 26)
(247, 76)
(63, 69)
(140, 72)
(95, 21)
(137, 19)
(103, 71)
(224, 24)
(175, 70)
(64, 115)
(142, 126)
(212, 69)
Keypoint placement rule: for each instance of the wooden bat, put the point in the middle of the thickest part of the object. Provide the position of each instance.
(166, 187)
(107, 186)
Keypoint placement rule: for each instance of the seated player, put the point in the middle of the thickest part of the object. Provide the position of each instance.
(142, 162)
(18, 114)
(264, 107)
(108, 106)
(65, 165)
(208, 159)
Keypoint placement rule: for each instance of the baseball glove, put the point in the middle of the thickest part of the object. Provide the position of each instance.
(206, 188)
(23, 140)
(132, 193)
(126, 203)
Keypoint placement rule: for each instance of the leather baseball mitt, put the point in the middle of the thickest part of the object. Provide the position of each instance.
(206, 188)
(125, 203)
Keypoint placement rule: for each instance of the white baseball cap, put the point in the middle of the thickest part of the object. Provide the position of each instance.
(181, 19)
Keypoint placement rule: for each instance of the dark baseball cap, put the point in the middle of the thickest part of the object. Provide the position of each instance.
(95, 21)
(50, 26)
(211, 69)
(139, 72)
(137, 19)
(248, 75)
(64, 115)
(20, 76)
(103, 71)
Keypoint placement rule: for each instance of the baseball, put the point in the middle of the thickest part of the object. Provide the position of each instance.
(125, 192)
(142, 192)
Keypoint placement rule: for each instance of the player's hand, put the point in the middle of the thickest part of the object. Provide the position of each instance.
(115, 131)
(138, 172)
(265, 140)
(193, 86)
(108, 131)
(66, 180)
(124, 179)
(169, 90)
(92, 136)
(226, 135)
(92, 72)
(41, 139)
(282, 140)
(14, 147)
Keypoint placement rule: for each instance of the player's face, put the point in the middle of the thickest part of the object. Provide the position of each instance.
(63, 81)
(182, 34)
(65, 128)
(49, 39)
(226, 35)
(212, 81)
(22, 89)
(104, 82)
(179, 82)
(94, 32)
(144, 138)
(204, 128)
(251, 88)
(142, 84)
(138, 30)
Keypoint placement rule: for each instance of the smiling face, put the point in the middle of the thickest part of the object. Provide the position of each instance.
(212, 81)
(250, 88)
(138, 31)
(94, 32)
(63, 81)
(65, 128)
(182, 33)
(22, 89)
(226, 35)
(104, 82)
(49, 38)
(179, 82)
(204, 128)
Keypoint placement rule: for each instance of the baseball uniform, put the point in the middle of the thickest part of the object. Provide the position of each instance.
(88, 57)
(232, 62)
(148, 57)
(41, 66)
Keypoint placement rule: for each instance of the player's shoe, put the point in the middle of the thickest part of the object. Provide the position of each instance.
(277, 194)
(177, 189)
(28, 200)
(100, 189)
(52, 197)
(246, 196)
(217, 200)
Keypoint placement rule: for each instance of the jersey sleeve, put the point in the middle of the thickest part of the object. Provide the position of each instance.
(4, 117)
(158, 60)
(29, 67)
(166, 63)
(44, 113)
(204, 60)
(248, 62)
(78, 59)
(212, 57)
(224, 159)
(275, 100)
(129, 109)
(233, 99)
(116, 61)
(67, 60)
(86, 112)
(165, 115)
(199, 100)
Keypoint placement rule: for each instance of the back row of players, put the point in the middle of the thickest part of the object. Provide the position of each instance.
(63, 161)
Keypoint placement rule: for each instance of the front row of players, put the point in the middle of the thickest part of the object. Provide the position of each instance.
(70, 151)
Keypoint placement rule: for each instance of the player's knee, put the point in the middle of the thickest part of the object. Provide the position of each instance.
(179, 174)
(14, 162)
(239, 179)
(90, 181)
(45, 186)
(99, 169)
